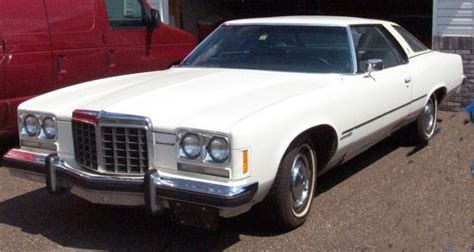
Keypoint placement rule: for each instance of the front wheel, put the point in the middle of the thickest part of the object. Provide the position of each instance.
(425, 125)
(292, 193)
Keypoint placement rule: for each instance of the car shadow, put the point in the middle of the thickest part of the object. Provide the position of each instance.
(72, 222)
(343, 172)
(7, 142)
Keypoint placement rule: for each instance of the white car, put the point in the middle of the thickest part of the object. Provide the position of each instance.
(254, 114)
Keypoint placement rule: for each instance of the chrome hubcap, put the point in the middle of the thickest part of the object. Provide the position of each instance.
(300, 179)
(429, 115)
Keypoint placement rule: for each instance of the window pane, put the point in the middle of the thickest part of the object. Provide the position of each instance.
(278, 48)
(125, 13)
(412, 41)
(371, 43)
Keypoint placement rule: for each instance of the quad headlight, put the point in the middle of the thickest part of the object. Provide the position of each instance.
(37, 127)
(49, 127)
(191, 145)
(203, 147)
(32, 125)
(218, 149)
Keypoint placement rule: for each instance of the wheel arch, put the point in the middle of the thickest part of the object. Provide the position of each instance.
(325, 142)
(440, 92)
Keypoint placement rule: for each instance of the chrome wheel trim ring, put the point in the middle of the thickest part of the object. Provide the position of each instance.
(429, 115)
(302, 180)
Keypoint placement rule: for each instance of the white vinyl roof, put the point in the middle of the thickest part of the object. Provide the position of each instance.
(306, 20)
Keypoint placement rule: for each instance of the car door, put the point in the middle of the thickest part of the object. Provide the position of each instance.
(77, 37)
(380, 99)
(132, 47)
(27, 61)
(420, 66)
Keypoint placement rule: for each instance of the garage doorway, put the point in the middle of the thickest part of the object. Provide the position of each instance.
(415, 16)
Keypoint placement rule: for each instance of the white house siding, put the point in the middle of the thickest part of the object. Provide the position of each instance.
(454, 18)
(453, 32)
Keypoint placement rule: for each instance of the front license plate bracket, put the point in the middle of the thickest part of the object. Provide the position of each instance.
(194, 215)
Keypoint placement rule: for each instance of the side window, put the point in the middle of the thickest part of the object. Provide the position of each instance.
(125, 13)
(412, 41)
(374, 42)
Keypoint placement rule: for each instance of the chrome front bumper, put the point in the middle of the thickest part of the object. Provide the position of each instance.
(153, 191)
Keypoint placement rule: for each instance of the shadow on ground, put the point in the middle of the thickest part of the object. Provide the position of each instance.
(73, 222)
(6, 143)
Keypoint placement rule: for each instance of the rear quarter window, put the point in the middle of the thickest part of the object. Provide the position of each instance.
(412, 41)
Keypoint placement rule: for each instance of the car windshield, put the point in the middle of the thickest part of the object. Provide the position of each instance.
(310, 49)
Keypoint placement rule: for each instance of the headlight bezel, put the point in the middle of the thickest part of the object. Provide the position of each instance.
(204, 159)
(41, 136)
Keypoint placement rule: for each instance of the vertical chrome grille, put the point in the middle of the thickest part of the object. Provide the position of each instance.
(85, 146)
(124, 150)
(120, 150)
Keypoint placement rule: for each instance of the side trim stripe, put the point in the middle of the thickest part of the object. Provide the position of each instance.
(382, 115)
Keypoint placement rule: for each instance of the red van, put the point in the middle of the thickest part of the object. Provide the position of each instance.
(49, 44)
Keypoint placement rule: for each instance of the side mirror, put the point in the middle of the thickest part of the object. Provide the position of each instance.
(374, 65)
(151, 14)
(154, 20)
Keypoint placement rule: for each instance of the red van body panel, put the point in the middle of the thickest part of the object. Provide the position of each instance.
(50, 44)
(27, 63)
(78, 47)
(3, 90)
(135, 49)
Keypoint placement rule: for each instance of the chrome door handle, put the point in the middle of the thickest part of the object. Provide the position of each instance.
(61, 70)
(59, 64)
(110, 58)
(407, 80)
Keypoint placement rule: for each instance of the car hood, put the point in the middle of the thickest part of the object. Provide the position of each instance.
(211, 99)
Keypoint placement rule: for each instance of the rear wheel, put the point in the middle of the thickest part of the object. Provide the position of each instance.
(425, 125)
(292, 193)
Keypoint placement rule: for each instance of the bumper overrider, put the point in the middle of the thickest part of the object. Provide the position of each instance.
(153, 191)
(457, 89)
(464, 82)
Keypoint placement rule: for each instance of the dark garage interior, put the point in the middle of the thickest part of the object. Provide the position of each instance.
(417, 18)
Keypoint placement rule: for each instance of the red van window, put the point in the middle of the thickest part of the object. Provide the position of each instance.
(71, 15)
(125, 14)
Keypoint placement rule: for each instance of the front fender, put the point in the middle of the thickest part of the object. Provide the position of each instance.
(268, 146)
